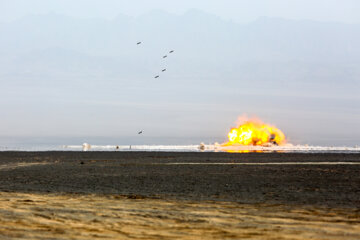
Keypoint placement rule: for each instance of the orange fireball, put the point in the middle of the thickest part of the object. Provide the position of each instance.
(256, 132)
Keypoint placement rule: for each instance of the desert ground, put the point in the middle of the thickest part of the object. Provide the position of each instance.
(179, 195)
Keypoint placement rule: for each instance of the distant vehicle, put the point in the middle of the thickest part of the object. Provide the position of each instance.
(171, 51)
(156, 76)
(138, 43)
(140, 132)
(165, 56)
(163, 70)
(272, 140)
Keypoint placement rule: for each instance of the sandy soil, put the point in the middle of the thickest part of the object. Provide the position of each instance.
(121, 195)
(72, 216)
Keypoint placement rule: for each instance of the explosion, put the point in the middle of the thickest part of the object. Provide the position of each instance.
(255, 132)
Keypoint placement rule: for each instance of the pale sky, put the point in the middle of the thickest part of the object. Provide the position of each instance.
(236, 10)
(63, 75)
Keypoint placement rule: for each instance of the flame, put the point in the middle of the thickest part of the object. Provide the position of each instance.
(255, 132)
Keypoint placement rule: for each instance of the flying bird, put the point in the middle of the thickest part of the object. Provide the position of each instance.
(165, 56)
(156, 76)
(163, 70)
(138, 43)
(140, 132)
(171, 51)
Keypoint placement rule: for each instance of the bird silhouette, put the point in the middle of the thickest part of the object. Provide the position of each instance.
(163, 70)
(171, 51)
(140, 132)
(156, 76)
(138, 43)
(165, 56)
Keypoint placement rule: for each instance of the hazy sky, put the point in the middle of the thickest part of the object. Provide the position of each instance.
(237, 10)
(75, 77)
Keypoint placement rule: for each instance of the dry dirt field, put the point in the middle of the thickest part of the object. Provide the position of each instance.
(167, 195)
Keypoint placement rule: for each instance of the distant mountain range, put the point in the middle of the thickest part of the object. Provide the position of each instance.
(205, 46)
(269, 52)
(216, 64)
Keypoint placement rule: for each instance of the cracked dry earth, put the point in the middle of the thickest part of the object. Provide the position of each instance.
(88, 216)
